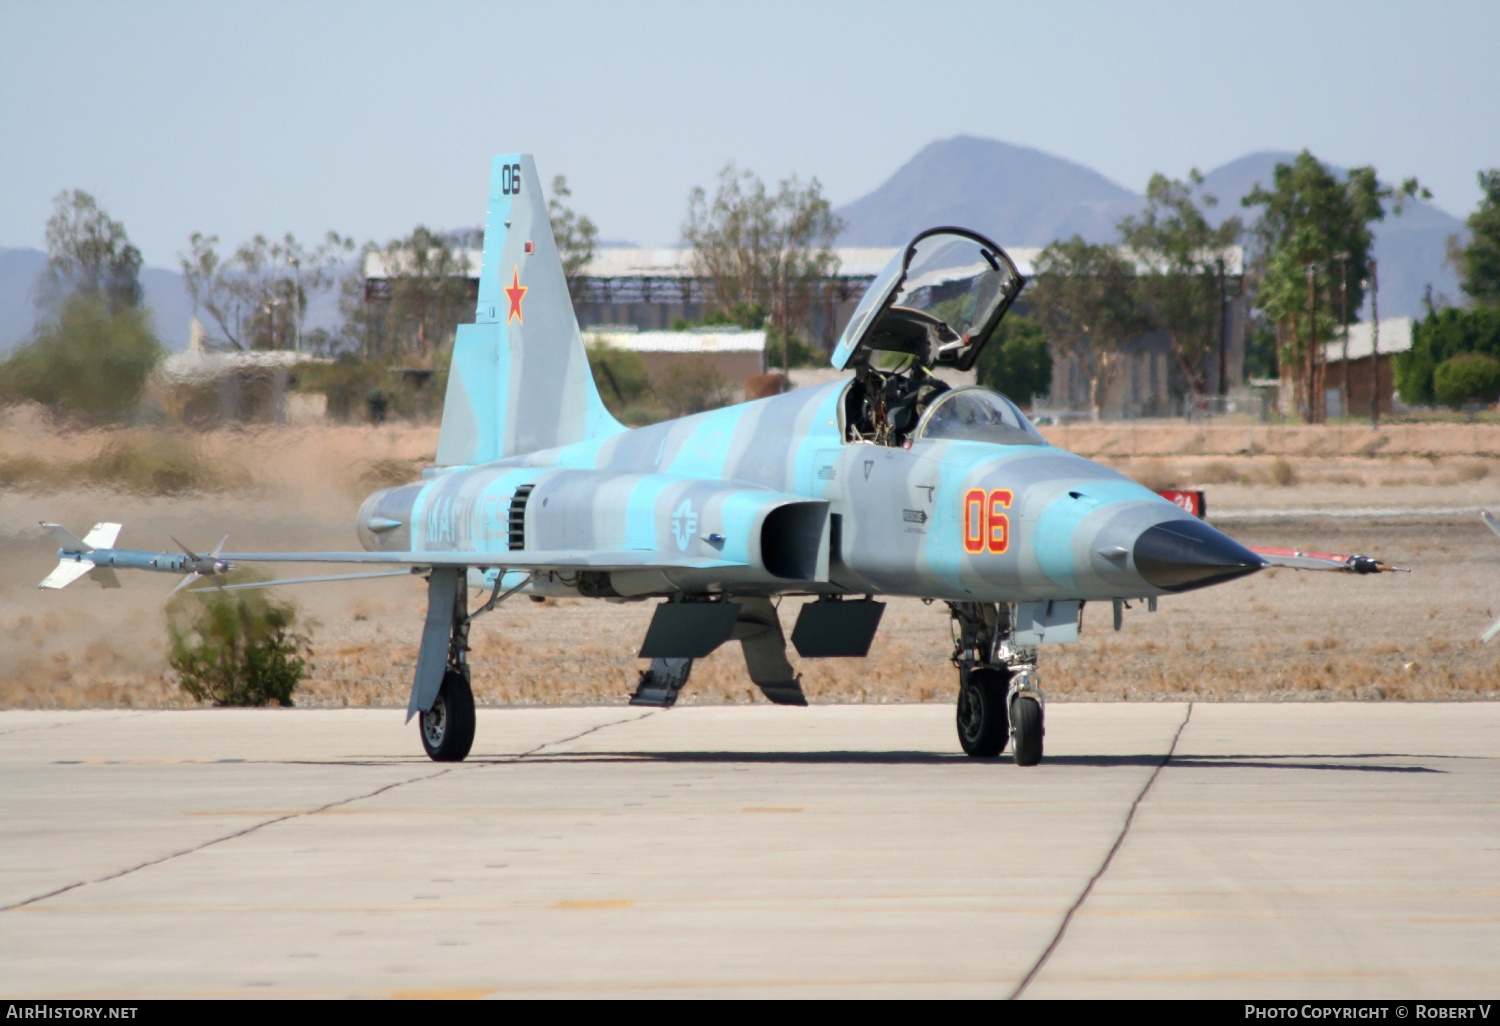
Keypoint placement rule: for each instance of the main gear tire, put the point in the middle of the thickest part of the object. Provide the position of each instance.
(448, 727)
(1027, 729)
(983, 729)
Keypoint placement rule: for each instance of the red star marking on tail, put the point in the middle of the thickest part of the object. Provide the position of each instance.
(515, 292)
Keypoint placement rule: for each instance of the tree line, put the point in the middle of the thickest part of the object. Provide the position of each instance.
(1311, 266)
(1311, 238)
(1455, 353)
(767, 254)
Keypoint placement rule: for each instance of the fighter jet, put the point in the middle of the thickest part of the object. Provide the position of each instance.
(887, 482)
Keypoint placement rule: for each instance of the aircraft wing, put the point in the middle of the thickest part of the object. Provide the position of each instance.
(625, 559)
(1296, 559)
(416, 562)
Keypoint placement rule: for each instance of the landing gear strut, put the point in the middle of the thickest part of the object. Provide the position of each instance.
(999, 699)
(447, 724)
(440, 692)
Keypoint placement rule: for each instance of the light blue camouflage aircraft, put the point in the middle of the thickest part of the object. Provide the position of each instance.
(889, 482)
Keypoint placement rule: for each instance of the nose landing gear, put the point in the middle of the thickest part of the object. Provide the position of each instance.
(999, 700)
(983, 720)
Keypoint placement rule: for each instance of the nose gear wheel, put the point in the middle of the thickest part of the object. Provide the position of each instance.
(983, 727)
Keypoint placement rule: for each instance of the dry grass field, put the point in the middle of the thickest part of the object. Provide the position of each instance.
(1279, 634)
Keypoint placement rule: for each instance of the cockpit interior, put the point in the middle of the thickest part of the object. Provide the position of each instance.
(934, 305)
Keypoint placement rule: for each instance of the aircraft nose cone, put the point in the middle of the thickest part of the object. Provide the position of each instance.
(1181, 555)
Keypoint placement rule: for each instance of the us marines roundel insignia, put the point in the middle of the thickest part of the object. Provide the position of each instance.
(684, 524)
(516, 292)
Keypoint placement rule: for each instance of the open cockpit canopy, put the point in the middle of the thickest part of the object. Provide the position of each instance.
(935, 304)
(977, 414)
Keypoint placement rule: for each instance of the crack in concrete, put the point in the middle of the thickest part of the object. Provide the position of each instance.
(219, 840)
(585, 733)
(295, 815)
(1109, 857)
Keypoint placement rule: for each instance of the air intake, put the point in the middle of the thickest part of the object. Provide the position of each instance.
(518, 517)
(792, 541)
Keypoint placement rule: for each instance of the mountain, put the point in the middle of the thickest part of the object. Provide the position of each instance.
(171, 309)
(1018, 195)
(1411, 248)
(18, 270)
(1023, 197)
(165, 296)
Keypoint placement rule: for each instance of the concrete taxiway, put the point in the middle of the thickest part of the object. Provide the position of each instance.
(1307, 850)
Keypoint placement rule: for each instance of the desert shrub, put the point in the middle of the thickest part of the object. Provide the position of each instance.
(1218, 472)
(400, 386)
(1156, 475)
(156, 464)
(620, 377)
(691, 386)
(759, 386)
(750, 316)
(236, 647)
(87, 365)
(1467, 377)
(25, 471)
(1282, 472)
(386, 472)
(802, 354)
(139, 463)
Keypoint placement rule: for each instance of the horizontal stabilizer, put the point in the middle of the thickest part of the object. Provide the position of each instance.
(66, 572)
(66, 539)
(102, 536)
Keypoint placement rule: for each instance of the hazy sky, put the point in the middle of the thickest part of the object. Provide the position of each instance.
(369, 118)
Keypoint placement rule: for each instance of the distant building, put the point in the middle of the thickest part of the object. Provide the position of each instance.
(732, 355)
(1395, 337)
(651, 289)
(1148, 382)
(209, 382)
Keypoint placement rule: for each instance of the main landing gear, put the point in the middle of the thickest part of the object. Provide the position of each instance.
(999, 699)
(440, 695)
(447, 721)
(448, 727)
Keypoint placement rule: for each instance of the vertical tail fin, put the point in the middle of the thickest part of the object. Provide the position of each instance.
(520, 378)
